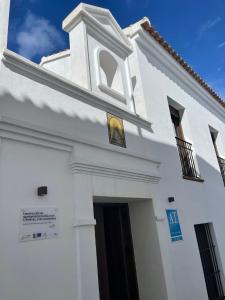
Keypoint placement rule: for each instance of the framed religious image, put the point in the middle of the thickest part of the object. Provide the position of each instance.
(116, 131)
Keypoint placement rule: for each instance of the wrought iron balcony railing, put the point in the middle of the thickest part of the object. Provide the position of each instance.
(187, 159)
(221, 162)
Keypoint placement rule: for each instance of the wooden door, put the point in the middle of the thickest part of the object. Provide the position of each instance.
(209, 262)
(175, 117)
(115, 256)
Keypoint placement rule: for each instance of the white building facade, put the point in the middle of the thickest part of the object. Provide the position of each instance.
(102, 148)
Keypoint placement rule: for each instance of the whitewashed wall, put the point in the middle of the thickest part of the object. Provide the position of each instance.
(196, 202)
(52, 138)
(55, 133)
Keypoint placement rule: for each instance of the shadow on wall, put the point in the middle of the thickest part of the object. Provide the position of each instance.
(50, 108)
(78, 126)
(179, 82)
(45, 110)
(53, 105)
(189, 195)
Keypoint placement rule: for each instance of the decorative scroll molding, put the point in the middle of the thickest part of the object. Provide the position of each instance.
(106, 171)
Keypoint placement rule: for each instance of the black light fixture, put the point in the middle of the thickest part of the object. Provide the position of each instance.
(171, 199)
(42, 190)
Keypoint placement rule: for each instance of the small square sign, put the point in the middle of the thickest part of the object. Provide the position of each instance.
(174, 225)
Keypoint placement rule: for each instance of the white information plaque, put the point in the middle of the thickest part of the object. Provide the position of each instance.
(38, 223)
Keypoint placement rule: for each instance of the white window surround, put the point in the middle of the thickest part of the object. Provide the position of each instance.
(176, 105)
(214, 131)
(218, 139)
(111, 83)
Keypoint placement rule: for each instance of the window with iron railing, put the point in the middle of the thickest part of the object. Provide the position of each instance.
(184, 148)
(221, 161)
(186, 158)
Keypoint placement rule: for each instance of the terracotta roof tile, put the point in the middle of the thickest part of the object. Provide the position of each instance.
(180, 60)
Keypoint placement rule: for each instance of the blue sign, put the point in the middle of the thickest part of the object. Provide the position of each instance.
(175, 230)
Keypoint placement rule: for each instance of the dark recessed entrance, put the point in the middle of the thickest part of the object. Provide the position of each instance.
(209, 262)
(115, 256)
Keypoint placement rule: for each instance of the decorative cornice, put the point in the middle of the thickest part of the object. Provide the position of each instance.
(68, 87)
(106, 38)
(97, 29)
(106, 171)
(19, 131)
(28, 133)
(105, 14)
(55, 56)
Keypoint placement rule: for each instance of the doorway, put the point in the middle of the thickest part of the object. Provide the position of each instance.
(209, 261)
(115, 254)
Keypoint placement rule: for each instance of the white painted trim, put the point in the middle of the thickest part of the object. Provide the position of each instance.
(135, 28)
(108, 171)
(105, 13)
(53, 57)
(16, 131)
(93, 99)
(87, 56)
(84, 223)
(4, 23)
(104, 88)
(160, 218)
(26, 132)
(154, 49)
(114, 46)
(80, 14)
(111, 92)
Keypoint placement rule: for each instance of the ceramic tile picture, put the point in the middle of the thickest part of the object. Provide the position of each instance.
(116, 131)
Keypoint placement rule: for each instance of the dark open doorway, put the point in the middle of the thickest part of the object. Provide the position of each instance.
(115, 255)
(209, 262)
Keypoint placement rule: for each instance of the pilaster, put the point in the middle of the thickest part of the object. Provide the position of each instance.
(84, 229)
(4, 22)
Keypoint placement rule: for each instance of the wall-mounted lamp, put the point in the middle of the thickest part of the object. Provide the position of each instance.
(42, 190)
(171, 199)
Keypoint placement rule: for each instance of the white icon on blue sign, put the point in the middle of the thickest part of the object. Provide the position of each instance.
(173, 220)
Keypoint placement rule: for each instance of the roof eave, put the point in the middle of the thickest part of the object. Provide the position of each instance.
(161, 41)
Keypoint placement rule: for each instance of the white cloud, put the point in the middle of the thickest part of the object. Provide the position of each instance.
(221, 45)
(207, 26)
(37, 36)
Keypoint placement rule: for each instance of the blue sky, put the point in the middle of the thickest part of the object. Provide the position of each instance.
(194, 28)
